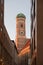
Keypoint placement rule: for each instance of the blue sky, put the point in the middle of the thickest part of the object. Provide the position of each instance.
(11, 9)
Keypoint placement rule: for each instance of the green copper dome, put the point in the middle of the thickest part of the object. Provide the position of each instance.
(21, 15)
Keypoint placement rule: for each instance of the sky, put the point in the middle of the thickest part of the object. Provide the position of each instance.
(11, 9)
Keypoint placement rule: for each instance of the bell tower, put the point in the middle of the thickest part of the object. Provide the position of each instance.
(20, 31)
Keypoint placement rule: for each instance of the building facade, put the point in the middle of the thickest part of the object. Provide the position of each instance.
(5, 58)
(7, 48)
(33, 31)
(37, 33)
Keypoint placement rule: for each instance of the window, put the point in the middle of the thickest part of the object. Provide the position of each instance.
(34, 39)
(29, 61)
(0, 49)
(32, 47)
(1, 29)
(21, 25)
(34, 8)
(1, 15)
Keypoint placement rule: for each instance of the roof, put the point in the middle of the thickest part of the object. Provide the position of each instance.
(27, 44)
(21, 15)
(25, 49)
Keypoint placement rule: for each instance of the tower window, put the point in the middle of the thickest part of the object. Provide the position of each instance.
(21, 25)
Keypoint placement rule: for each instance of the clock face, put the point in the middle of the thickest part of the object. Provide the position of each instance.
(21, 32)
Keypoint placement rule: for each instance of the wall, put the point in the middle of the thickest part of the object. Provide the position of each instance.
(40, 32)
